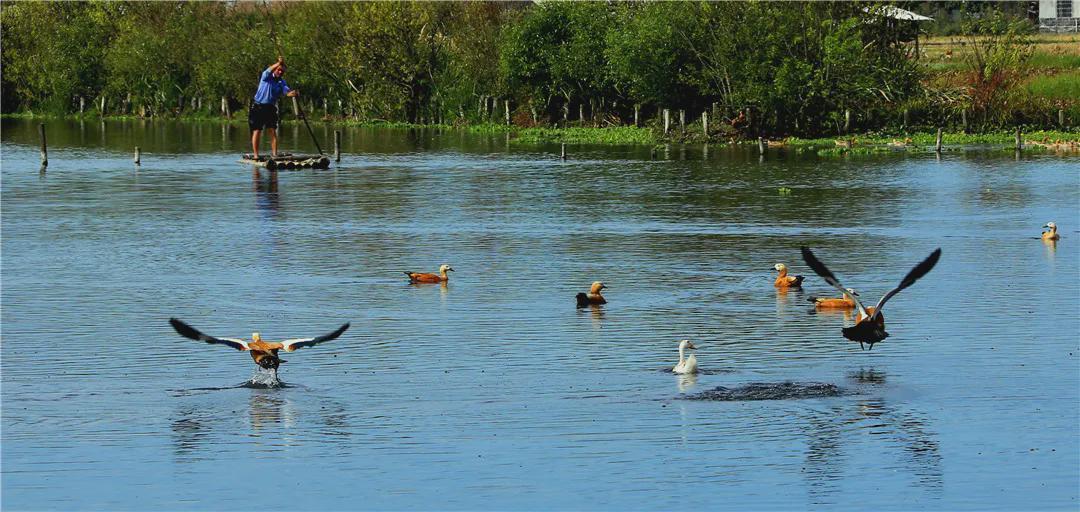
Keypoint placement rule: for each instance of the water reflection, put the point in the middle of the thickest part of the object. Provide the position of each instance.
(686, 381)
(837, 435)
(267, 198)
(189, 432)
(1051, 248)
(269, 410)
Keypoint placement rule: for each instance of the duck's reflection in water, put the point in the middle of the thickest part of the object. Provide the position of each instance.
(839, 436)
(276, 420)
(686, 381)
(269, 411)
(1051, 248)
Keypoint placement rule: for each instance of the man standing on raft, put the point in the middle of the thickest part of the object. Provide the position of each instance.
(263, 113)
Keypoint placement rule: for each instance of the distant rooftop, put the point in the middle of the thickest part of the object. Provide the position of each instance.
(896, 13)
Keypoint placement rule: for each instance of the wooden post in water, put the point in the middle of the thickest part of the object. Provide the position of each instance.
(295, 107)
(562, 152)
(1019, 140)
(682, 120)
(705, 123)
(907, 118)
(761, 146)
(1061, 117)
(667, 120)
(102, 104)
(82, 104)
(44, 145)
(937, 146)
(963, 120)
(337, 145)
(506, 103)
(847, 120)
(637, 112)
(138, 156)
(581, 112)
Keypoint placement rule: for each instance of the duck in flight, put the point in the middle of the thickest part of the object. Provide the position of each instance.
(689, 364)
(1051, 235)
(869, 325)
(784, 281)
(265, 353)
(593, 297)
(845, 302)
(441, 277)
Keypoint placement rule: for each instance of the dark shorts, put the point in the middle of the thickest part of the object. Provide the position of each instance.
(262, 115)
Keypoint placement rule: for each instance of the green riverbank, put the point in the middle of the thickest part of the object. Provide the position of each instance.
(629, 135)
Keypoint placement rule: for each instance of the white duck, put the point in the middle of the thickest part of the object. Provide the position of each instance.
(688, 364)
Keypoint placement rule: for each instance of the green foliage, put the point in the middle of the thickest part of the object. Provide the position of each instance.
(767, 67)
(1000, 47)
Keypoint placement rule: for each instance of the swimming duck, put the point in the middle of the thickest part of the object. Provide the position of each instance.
(417, 277)
(1052, 234)
(845, 302)
(593, 297)
(869, 325)
(263, 352)
(689, 364)
(785, 281)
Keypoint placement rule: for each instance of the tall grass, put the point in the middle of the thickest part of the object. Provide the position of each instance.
(1062, 86)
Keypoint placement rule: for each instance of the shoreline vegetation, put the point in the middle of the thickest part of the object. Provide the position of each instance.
(1036, 139)
(569, 72)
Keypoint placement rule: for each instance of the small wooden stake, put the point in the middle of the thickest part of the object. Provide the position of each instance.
(1061, 118)
(44, 146)
(761, 146)
(937, 146)
(562, 152)
(337, 145)
(1019, 140)
(847, 120)
(667, 120)
(705, 123)
(138, 156)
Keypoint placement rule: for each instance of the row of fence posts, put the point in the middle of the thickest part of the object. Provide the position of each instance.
(666, 117)
(138, 150)
(1019, 142)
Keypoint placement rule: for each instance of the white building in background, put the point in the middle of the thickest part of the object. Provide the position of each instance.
(1058, 16)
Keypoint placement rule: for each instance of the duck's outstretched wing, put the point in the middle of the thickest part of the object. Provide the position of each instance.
(820, 269)
(920, 270)
(188, 331)
(295, 343)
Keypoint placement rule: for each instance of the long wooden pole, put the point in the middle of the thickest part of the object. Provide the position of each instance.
(44, 146)
(300, 114)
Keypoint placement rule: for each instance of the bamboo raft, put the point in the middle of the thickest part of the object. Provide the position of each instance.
(288, 161)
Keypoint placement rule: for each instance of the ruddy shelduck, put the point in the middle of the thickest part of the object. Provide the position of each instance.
(1052, 234)
(869, 325)
(686, 364)
(441, 277)
(783, 280)
(265, 353)
(593, 297)
(845, 302)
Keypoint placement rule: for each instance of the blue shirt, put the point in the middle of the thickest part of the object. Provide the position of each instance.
(270, 88)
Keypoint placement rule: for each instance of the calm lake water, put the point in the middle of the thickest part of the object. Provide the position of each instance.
(494, 392)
